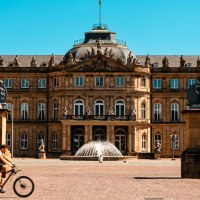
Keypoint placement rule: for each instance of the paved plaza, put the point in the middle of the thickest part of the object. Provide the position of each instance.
(90, 180)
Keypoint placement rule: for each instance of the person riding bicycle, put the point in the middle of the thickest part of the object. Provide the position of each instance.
(5, 164)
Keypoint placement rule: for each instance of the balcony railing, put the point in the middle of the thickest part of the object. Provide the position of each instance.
(101, 117)
(117, 41)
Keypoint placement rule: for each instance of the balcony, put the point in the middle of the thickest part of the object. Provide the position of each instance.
(101, 117)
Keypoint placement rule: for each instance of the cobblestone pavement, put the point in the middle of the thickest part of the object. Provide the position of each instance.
(90, 180)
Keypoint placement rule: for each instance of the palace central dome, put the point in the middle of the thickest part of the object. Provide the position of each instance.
(108, 45)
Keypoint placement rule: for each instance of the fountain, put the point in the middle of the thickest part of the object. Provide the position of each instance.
(97, 149)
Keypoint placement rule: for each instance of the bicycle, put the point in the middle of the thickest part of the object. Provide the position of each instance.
(23, 186)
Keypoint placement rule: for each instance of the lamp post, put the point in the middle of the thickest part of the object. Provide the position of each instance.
(173, 139)
(12, 133)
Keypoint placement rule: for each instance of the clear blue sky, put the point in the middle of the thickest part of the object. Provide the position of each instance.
(155, 27)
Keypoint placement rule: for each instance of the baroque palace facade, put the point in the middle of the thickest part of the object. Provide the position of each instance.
(98, 91)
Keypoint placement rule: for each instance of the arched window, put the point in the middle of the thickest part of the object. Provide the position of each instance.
(99, 107)
(99, 135)
(41, 111)
(78, 107)
(24, 141)
(144, 141)
(54, 141)
(24, 111)
(120, 140)
(143, 110)
(174, 112)
(8, 140)
(119, 108)
(157, 139)
(157, 112)
(55, 110)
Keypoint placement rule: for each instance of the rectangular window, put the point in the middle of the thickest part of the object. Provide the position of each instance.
(143, 141)
(41, 111)
(79, 81)
(143, 111)
(55, 82)
(55, 141)
(8, 140)
(24, 111)
(55, 110)
(157, 84)
(174, 83)
(99, 81)
(190, 82)
(24, 141)
(119, 81)
(24, 83)
(42, 83)
(143, 82)
(8, 83)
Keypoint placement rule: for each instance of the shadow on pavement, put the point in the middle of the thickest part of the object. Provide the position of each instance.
(157, 177)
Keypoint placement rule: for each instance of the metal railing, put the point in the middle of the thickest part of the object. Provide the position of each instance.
(117, 41)
(101, 117)
(100, 27)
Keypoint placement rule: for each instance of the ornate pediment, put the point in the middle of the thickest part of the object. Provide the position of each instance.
(100, 64)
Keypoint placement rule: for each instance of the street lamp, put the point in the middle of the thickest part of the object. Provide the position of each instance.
(12, 133)
(173, 139)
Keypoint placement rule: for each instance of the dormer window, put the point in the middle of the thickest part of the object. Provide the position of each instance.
(189, 65)
(154, 65)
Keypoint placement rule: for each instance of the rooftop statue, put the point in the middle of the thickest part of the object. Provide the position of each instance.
(106, 52)
(51, 61)
(165, 62)
(193, 95)
(198, 62)
(129, 58)
(16, 61)
(93, 52)
(1, 61)
(147, 61)
(111, 54)
(182, 61)
(33, 62)
(98, 43)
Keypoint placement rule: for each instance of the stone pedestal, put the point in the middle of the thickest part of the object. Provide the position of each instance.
(157, 156)
(190, 159)
(42, 155)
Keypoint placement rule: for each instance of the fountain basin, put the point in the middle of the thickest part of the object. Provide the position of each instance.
(93, 158)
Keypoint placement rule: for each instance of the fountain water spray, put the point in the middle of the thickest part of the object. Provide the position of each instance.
(97, 149)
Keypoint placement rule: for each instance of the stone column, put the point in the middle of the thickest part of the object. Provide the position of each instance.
(68, 133)
(107, 133)
(129, 140)
(132, 131)
(86, 134)
(112, 134)
(64, 139)
(90, 133)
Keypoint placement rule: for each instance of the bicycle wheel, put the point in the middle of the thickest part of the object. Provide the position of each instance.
(23, 186)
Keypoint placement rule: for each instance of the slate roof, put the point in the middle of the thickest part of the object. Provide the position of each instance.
(25, 60)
